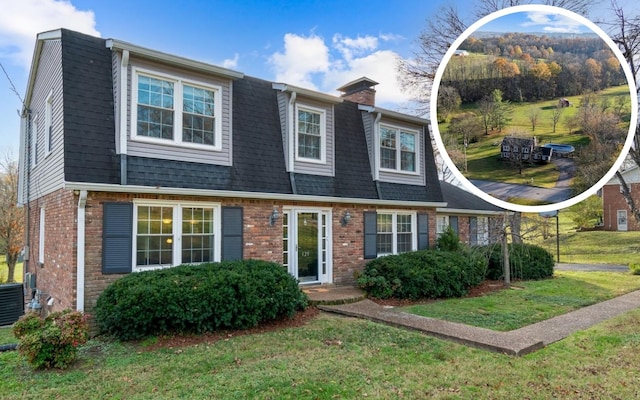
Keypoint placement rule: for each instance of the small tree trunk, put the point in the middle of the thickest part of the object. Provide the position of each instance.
(11, 267)
(505, 259)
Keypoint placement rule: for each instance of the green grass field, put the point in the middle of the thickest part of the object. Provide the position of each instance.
(342, 358)
(483, 157)
(18, 275)
(539, 300)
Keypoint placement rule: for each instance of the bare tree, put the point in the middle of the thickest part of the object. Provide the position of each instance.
(11, 216)
(533, 114)
(555, 117)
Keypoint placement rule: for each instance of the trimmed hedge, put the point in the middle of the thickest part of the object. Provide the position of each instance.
(198, 298)
(526, 262)
(423, 274)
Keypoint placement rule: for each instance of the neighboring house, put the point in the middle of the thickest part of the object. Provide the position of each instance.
(133, 159)
(476, 221)
(616, 213)
(524, 150)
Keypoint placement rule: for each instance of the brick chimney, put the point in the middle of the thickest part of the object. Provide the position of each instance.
(360, 91)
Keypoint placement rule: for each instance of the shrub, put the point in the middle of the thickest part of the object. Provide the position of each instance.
(423, 274)
(51, 342)
(198, 298)
(526, 261)
(634, 268)
(448, 240)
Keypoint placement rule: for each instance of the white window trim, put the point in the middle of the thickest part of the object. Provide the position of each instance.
(177, 230)
(394, 230)
(177, 110)
(323, 133)
(399, 130)
(41, 237)
(48, 118)
(34, 142)
(439, 227)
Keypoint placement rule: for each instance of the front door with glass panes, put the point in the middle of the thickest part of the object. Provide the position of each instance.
(306, 244)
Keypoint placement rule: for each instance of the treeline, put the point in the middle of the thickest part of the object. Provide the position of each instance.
(537, 69)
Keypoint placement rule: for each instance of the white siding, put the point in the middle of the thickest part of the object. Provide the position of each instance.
(283, 103)
(48, 175)
(326, 169)
(176, 152)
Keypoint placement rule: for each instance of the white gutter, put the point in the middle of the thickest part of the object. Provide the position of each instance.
(284, 87)
(174, 191)
(291, 115)
(376, 147)
(82, 201)
(124, 78)
(465, 211)
(394, 114)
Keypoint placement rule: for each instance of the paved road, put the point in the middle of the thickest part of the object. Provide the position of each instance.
(561, 191)
(506, 191)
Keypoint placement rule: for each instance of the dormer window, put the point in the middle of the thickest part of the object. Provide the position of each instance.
(158, 101)
(398, 149)
(310, 133)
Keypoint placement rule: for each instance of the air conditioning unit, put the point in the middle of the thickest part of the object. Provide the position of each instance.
(11, 303)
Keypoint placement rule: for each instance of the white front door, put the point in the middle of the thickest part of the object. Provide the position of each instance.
(622, 220)
(307, 244)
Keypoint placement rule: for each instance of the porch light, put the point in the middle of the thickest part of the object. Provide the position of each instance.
(274, 216)
(346, 218)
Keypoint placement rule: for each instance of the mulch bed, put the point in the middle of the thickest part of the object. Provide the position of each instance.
(300, 319)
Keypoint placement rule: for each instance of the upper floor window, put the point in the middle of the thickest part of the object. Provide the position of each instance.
(311, 133)
(398, 149)
(170, 109)
(395, 233)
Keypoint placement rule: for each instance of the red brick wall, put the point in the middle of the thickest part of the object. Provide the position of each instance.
(56, 276)
(614, 201)
(261, 240)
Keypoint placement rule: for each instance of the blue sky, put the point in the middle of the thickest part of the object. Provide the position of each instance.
(316, 44)
(536, 21)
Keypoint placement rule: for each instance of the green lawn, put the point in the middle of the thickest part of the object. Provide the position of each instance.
(531, 301)
(344, 358)
(483, 157)
(18, 275)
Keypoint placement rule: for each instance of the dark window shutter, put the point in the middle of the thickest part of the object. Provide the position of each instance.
(232, 228)
(423, 231)
(370, 234)
(453, 222)
(473, 230)
(117, 231)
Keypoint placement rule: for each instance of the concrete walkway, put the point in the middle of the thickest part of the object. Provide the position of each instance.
(517, 342)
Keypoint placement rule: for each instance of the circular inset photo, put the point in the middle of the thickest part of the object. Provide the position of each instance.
(533, 108)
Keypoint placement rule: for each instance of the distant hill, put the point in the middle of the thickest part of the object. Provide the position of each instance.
(561, 35)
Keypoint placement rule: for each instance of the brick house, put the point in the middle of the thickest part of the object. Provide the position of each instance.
(616, 213)
(132, 159)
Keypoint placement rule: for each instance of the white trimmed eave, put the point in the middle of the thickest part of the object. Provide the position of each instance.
(35, 60)
(394, 114)
(460, 211)
(173, 191)
(154, 55)
(283, 87)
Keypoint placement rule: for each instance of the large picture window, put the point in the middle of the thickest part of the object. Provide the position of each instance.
(398, 149)
(396, 233)
(173, 234)
(311, 133)
(172, 110)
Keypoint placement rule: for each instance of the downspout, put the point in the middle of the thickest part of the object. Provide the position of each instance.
(292, 145)
(124, 80)
(27, 244)
(376, 153)
(82, 201)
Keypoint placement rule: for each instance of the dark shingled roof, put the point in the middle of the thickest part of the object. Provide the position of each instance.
(460, 199)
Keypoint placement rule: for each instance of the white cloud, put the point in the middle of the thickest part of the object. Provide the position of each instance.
(21, 21)
(302, 57)
(310, 62)
(550, 22)
(231, 63)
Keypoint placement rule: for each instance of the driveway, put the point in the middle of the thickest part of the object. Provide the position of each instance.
(505, 191)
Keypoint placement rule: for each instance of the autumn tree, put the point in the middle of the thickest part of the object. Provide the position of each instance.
(556, 115)
(11, 216)
(448, 101)
(533, 114)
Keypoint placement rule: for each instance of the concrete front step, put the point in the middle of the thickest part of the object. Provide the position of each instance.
(333, 295)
